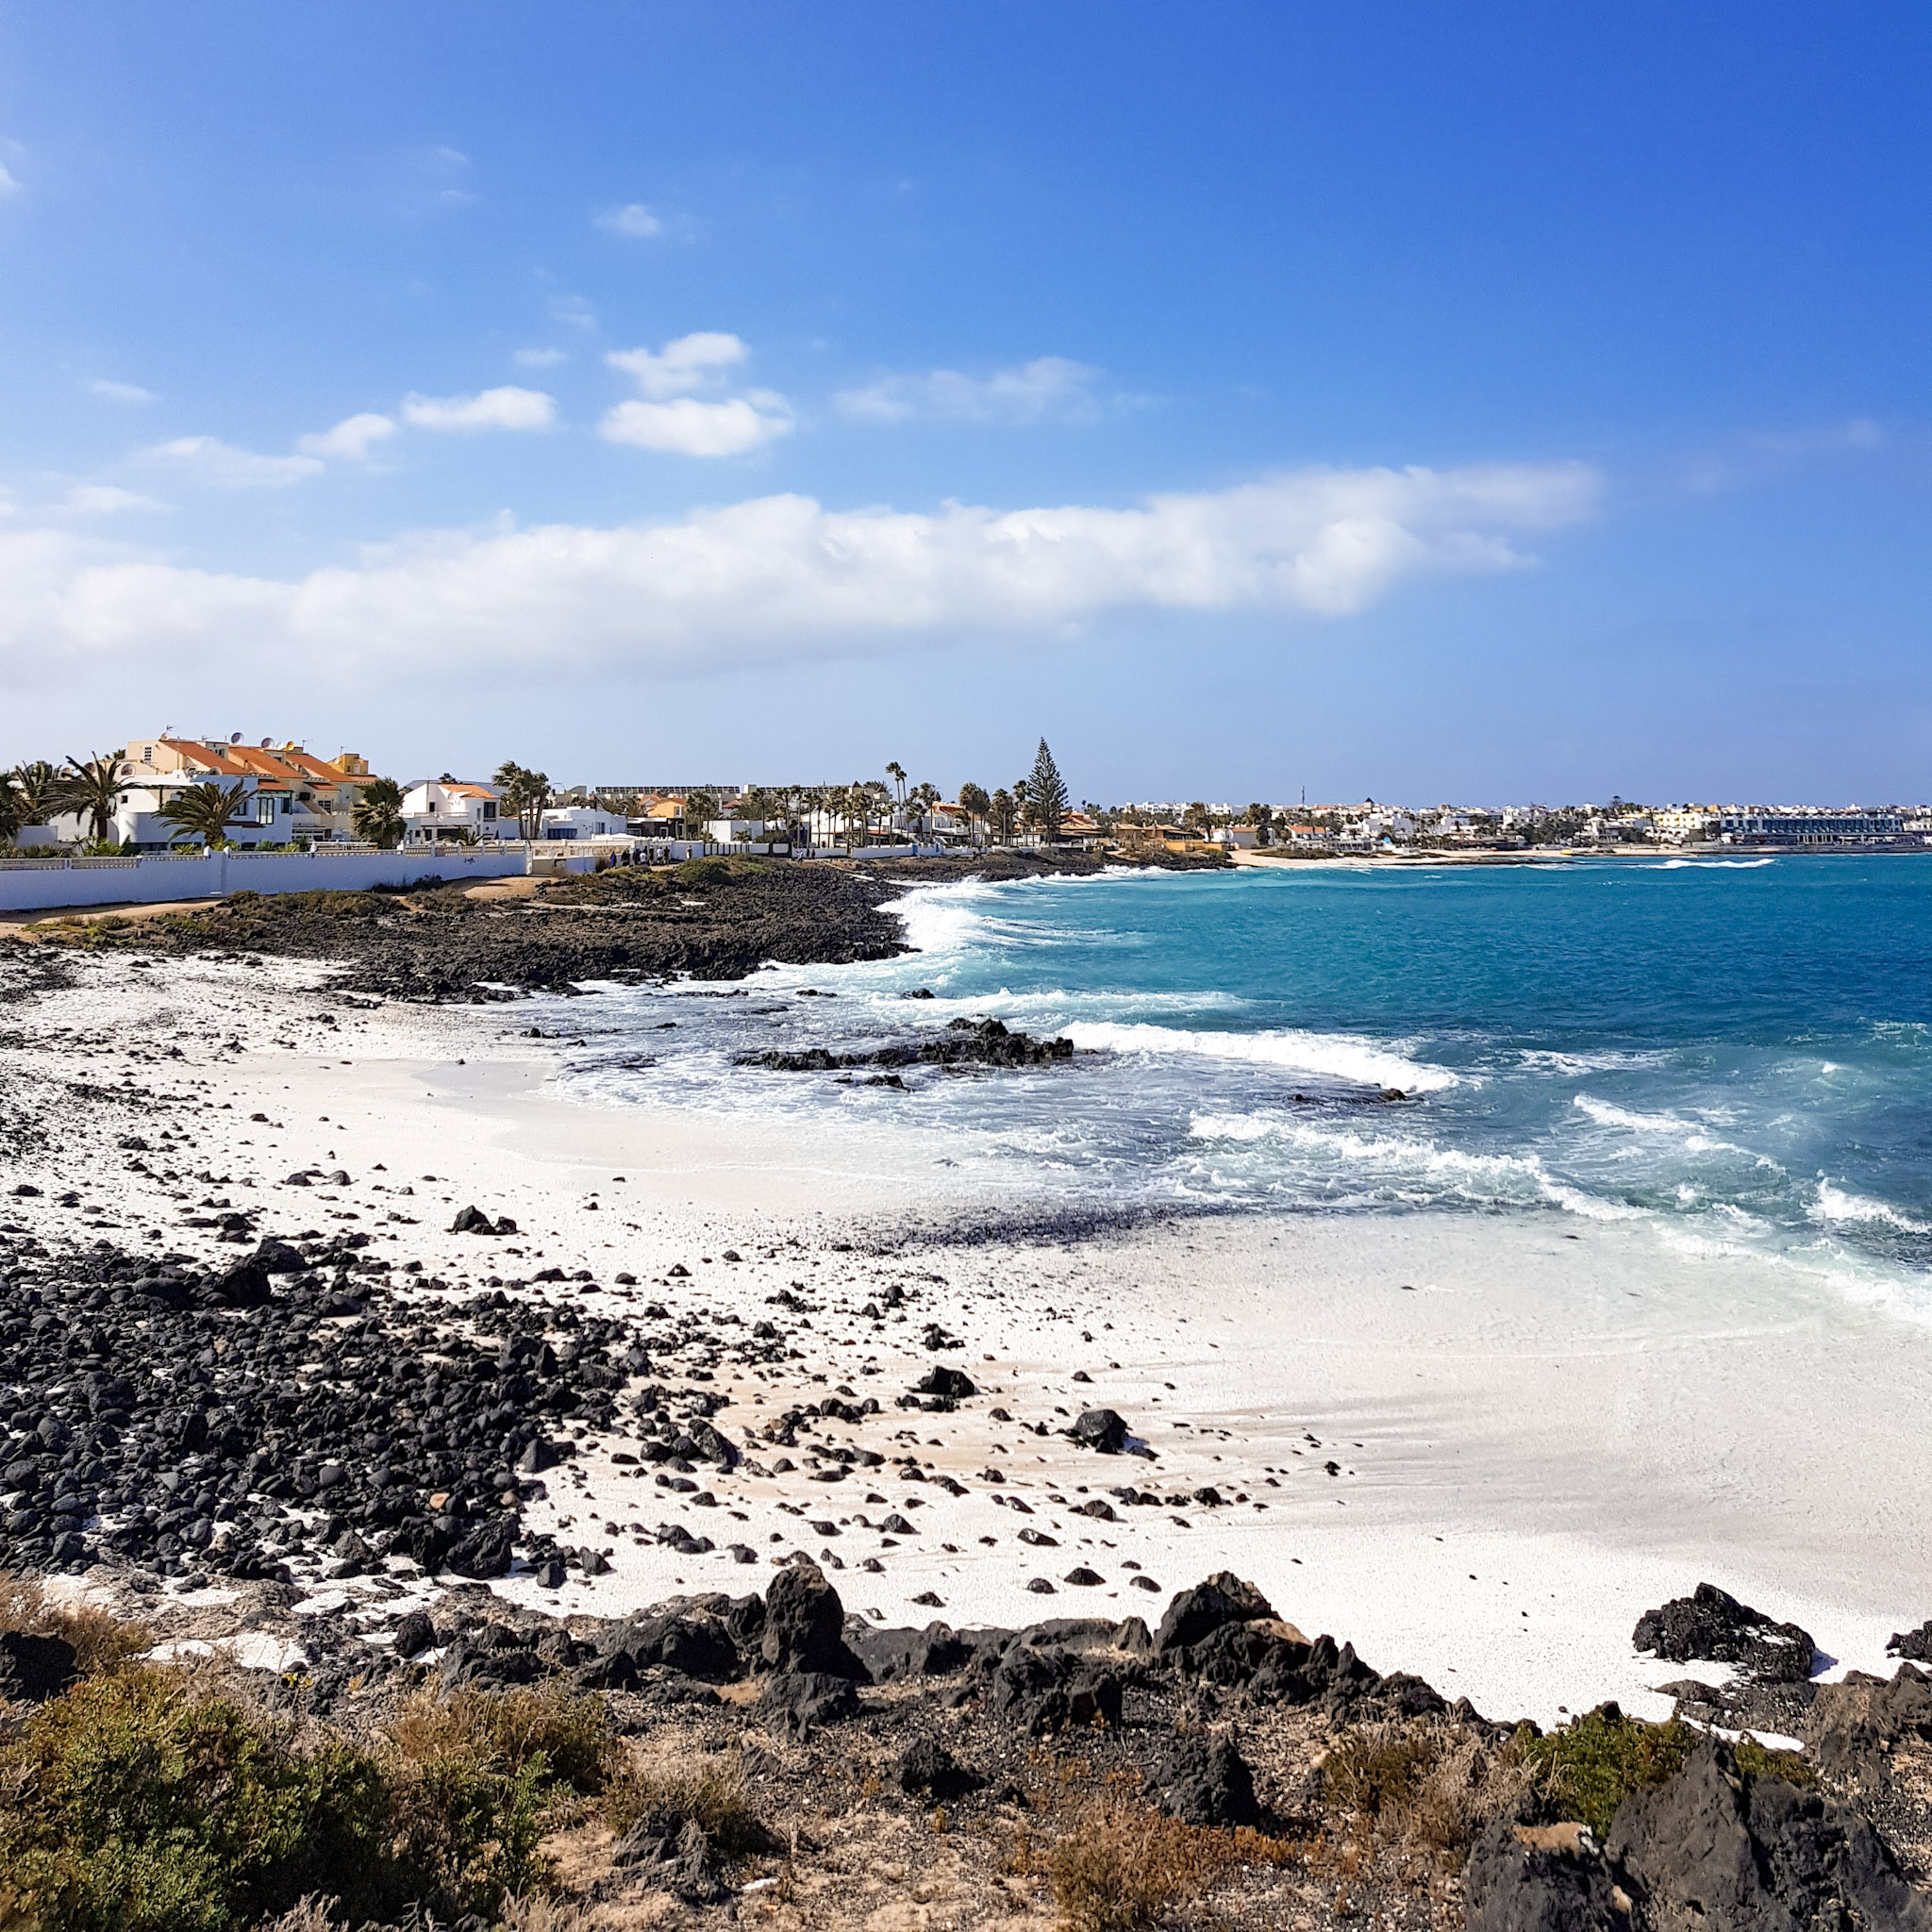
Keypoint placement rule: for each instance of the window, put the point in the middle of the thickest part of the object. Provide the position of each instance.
(489, 807)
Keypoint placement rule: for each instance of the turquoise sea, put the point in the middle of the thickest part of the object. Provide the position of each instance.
(1730, 1055)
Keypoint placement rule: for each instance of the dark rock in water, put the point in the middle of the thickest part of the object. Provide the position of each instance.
(965, 1042)
(1205, 1780)
(1100, 1430)
(33, 1669)
(1225, 1598)
(1736, 1854)
(1539, 1878)
(928, 1769)
(1914, 1644)
(953, 1382)
(801, 1699)
(414, 1634)
(803, 1626)
(1712, 1626)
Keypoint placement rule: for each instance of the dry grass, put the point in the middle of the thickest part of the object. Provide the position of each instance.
(665, 1794)
(305, 1915)
(1425, 1783)
(1122, 1864)
(512, 1730)
(101, 1640)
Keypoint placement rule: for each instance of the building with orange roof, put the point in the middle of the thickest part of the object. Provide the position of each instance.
(290, 796)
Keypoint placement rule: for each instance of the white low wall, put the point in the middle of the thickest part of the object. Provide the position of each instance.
(35, 885)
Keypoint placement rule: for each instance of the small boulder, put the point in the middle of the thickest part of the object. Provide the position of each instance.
(414, 1634)
(928, 1769)
(33, 1669)
(1205, 1780)
(1100, 1430)
(803, 1626)
(1225, 1598)
(472, 1219)
(951, 1383)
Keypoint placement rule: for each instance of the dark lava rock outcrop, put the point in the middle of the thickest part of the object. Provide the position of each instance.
(1711, 1625)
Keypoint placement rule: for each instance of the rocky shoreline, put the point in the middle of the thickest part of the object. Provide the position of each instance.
(713, 919)
(210, 1447)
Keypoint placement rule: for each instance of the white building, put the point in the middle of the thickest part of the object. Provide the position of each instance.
(444, 807)
(582, 822)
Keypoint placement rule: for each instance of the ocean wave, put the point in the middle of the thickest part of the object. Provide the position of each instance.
(1337, 1054)
(1695, 1138)
(1840, 1204)
(1423, 1168)
(1711, 864)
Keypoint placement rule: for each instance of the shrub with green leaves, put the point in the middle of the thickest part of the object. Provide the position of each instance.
(133, 1804)
(1590, 1768)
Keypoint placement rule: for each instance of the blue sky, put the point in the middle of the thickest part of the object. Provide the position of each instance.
(1489, 403)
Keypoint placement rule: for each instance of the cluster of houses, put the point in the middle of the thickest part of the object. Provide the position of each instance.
(1351, 829)
(288, 796)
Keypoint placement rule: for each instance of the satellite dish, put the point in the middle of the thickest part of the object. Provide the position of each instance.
(266, 742)
(234, 738)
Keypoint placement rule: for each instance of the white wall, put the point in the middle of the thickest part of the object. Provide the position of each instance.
(36, 885)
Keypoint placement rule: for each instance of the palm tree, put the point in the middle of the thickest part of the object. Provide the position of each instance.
(897, 772)
(11, 809)
(1001, 810)
(378, 814)
(94, 789)
(925, 797)
(527, 794)
(40, 792)
(203, 813)
(975, 804)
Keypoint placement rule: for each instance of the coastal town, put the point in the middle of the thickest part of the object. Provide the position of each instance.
(161, 794)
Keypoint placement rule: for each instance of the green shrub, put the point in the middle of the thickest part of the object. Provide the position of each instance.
(1590, 1768)
(702, 871)
(1762, 1760)
(145, 1802)
(134, 1805)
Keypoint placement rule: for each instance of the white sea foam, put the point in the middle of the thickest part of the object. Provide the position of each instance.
(1712, 864)
(1340, 1055)
(1696, 1140)
(1838, 1205)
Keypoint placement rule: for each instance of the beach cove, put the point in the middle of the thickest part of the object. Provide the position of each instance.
(1541, 1422)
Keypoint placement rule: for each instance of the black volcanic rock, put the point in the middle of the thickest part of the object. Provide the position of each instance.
(1711, 1625)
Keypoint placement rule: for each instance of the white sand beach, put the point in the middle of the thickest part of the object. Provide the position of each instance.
(1532, 1441)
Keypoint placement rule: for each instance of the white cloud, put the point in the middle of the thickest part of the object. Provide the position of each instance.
(9, 185)
(1050, 386)
(572, 310)
(495, 409)
(685, 426)
(352, 438)
(539, 359)
(634, 219)
(104, 499)
(690, 362)
(119, 391)
(209, 460)
(675, 420)
(782, 576)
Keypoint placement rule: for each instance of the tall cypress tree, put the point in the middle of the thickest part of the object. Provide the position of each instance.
(1047, 794)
